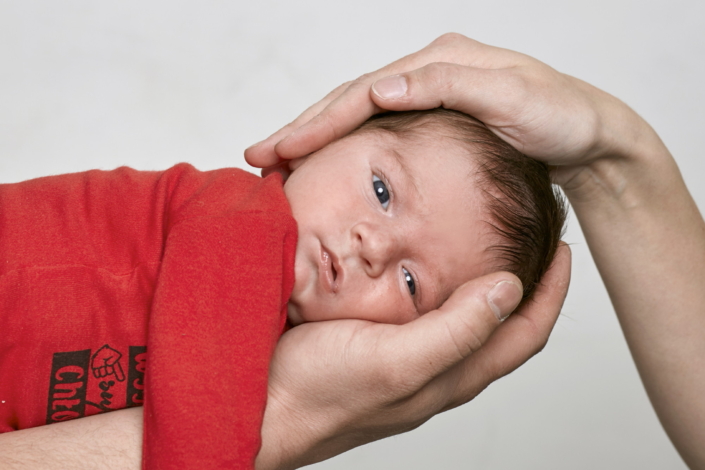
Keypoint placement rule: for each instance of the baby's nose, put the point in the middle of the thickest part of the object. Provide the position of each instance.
(377, 248)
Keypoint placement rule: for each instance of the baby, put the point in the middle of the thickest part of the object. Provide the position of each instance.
(392, 219)
(202, 270)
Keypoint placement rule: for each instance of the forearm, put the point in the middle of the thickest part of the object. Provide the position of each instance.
(106, 441)
(648, 240)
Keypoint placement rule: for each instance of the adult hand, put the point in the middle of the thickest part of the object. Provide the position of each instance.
(545, 114)
(339, 384)
(622, 182)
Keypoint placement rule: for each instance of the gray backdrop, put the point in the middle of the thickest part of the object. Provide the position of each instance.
(87, 84)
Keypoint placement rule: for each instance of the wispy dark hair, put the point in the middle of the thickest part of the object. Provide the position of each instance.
(526, 212)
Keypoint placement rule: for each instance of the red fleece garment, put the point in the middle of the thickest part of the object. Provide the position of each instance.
(165, 288)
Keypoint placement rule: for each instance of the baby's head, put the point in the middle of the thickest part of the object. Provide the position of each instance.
(397, 215)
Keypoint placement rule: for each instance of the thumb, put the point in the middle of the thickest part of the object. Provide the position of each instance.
(442, 338)
(471, 90)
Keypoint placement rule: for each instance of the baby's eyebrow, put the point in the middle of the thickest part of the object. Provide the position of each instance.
(409, 175)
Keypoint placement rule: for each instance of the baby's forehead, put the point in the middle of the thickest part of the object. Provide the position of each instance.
(431, 144)
(421, 158)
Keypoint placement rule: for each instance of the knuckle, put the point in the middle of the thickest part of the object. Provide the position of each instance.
(517, 79)
(529, 80)
(337, 91)
(451, 39)
(438, 75)
(287, 129)
(325, 122)
(360, 85)
(427, 403)
(342, 87)
(539, 336)
(541, 343)
(399, 382)
(443, 82)
(516, 85)
(464, 338)
(455, 47)
(364, 79)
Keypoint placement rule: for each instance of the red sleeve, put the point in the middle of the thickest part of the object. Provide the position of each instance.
(218, 310)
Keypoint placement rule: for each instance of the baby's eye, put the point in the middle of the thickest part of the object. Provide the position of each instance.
(381, 191)
(409, 281)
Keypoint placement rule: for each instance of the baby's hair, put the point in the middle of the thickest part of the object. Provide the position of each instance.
(527, 213)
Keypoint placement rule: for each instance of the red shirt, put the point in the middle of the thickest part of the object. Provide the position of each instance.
(164, 288)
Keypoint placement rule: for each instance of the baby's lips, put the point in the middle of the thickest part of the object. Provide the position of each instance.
(332, 270)
(337, 272)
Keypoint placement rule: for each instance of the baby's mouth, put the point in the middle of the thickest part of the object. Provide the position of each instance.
(330, 270)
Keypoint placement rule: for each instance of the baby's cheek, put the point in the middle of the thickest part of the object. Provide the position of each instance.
(404, 316)
(391, 311)
(310, 308)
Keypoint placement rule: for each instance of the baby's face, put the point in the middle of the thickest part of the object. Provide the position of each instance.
(387, 228)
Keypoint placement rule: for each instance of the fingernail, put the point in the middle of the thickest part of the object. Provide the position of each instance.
(390, 87)
(503, 298)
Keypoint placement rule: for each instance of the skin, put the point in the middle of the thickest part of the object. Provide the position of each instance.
(110, 441)
(400, 375)
(622, 182)
(361, 254)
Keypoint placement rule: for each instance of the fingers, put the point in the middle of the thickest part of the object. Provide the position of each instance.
(350, 105)
(475, 91)
(443, 338)
(342, 110)
(471, 90)
(262, 154)
(340, 117)
(353, 106)
(520, 337)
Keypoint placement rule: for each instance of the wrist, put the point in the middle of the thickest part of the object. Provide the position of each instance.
(626, 165)
(289, 438)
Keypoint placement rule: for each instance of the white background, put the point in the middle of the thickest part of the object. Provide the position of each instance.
(86, 84)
